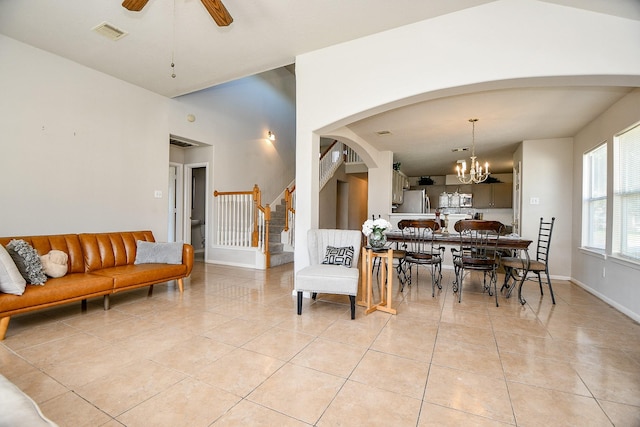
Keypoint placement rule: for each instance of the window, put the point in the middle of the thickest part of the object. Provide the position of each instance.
(626, 195)
(594, 211)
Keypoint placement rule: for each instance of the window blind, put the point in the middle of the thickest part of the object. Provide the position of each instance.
(594, 220)
(626, 202)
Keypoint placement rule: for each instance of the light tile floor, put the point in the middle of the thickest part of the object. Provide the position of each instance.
(231, 351)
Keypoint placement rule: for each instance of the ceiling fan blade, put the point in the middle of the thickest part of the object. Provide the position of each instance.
(218, 12)
(134, 5)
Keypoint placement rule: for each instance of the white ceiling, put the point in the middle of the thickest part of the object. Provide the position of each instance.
(269, 34)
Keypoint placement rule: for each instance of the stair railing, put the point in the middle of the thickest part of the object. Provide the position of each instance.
(351, 156)
(242, 221)
(330, 161)
(290, 213)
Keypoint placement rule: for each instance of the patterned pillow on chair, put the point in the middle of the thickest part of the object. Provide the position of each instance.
(339, 256)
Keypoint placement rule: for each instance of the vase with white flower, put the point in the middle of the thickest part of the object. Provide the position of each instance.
(374, 230)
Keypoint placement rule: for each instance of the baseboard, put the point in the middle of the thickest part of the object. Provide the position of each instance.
(612, 303)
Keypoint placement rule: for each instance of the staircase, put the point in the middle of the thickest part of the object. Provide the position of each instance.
(276, 226)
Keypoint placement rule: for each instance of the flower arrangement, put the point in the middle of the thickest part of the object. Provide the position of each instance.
(375, 226)
(374, 230)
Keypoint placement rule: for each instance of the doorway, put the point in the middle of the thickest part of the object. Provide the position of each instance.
(196, 206)
(342, 205)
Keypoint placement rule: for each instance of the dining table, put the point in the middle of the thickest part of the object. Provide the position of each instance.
(508, 242)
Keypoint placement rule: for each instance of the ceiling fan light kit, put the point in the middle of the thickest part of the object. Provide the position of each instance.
(216, 9)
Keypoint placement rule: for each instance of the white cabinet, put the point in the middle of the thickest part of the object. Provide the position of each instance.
(400, 182)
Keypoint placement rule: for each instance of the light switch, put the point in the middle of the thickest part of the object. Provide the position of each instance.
(534, 201)
(157, 194)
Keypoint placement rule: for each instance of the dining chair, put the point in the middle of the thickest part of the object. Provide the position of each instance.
(333, 269)
(478, 252)
(421, 250)
(538, 266)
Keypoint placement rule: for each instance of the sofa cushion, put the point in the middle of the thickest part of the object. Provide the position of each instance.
(106, 250)
(158, 253)
(70, 287)
(19, 410)
(339, 256)
(11, 281)
(130, 276)
(27, 260)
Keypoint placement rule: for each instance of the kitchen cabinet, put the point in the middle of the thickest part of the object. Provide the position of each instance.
(497, 195)
(400, 182)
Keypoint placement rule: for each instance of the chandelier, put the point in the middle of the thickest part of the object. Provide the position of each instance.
(476, 174)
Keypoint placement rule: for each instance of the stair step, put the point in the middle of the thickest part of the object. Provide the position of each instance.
(275, 248)
(281, 258)
(275, 231)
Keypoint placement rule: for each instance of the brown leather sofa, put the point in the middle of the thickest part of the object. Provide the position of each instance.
(99, 264)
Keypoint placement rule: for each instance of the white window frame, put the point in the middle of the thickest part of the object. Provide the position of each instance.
(594, 198)
(626, 195)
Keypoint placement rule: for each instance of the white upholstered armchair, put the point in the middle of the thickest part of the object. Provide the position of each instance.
(339, 274)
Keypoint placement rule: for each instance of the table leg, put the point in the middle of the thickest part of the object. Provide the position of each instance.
(524, 277)
(362, 291)
(389, 278)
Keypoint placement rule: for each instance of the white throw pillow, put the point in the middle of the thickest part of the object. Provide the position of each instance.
(11, 281)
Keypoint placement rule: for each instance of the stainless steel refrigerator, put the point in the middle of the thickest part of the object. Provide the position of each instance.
(414, 201)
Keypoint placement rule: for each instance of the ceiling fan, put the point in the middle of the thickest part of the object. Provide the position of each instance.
(216, 9)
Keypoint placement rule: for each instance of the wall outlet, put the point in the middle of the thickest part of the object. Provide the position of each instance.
(534, 201)
(157, 194)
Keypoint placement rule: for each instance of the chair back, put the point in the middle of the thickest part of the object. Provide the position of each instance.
(478, 242)
(319, 239)
(544, 240)
(417, 235)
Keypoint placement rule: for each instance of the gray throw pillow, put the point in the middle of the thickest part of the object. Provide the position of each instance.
(28, 261)
(158, 253)
(339, 256)
(11, 281)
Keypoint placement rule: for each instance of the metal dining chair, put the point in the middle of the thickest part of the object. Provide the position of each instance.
(478, 252)
(538, 266)
(420, 250)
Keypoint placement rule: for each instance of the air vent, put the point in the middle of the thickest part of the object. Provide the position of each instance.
(384, 132)
(109, 31)
(457, 150)
(183, 143)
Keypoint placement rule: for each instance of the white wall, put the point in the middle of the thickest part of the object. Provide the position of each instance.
(547, 174)
(80, 151)
(619, 287)
(234, 118)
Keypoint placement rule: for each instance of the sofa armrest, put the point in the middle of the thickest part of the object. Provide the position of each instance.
(187, 257)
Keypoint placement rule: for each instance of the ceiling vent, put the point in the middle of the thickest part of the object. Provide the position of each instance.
(109, 31)
(457, 150)
(182, 142)
(384, 132)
